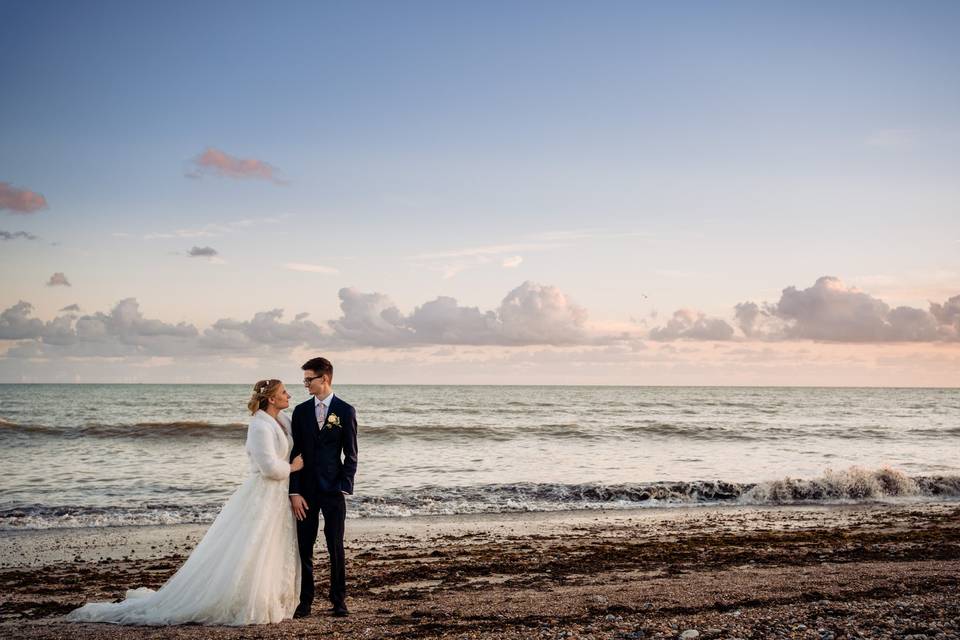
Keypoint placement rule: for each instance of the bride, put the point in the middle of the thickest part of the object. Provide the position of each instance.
(246, 569)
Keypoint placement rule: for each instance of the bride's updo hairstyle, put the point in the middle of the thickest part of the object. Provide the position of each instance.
(261, 394)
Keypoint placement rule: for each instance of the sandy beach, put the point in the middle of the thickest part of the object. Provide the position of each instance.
(868, 571)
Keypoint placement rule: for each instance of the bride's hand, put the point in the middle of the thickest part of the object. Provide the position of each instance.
(297, 464)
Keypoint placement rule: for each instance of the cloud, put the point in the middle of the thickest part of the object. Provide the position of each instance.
(488, 250)
(311, 268)
(126, 332)
(692, 325)
(58, 280)
(214, 229)
(370, 319)
(265, 330)
(207, 231)
(202, 252)
(16, 323)
(747, 315)
(947, 314)
(127, 319)
(530, 314)
(122, 332)
(443, 321)
(20, 201)
(216, 162)
(758, 321)
(830, 311)
(14, 235)
(452, 262)
(538, 314)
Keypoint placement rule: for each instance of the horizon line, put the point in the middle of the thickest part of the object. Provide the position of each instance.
(428, 384)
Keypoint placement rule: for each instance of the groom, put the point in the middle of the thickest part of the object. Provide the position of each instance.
(323, 427)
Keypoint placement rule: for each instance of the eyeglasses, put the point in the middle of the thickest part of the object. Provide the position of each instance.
(307, 381)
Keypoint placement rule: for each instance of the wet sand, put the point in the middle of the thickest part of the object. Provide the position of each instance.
(864, 571)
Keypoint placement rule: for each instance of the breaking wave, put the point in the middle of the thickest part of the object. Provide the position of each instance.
(851, 486)
(179, 428)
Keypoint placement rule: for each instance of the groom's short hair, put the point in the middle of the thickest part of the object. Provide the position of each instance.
(320, 366)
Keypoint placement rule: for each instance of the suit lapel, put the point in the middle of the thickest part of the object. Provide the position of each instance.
(333, 402)
(308, 421)
(330, 412)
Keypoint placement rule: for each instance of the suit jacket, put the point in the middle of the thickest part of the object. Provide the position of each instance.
(323, 470)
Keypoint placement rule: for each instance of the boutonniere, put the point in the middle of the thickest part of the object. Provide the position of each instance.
(333, 420)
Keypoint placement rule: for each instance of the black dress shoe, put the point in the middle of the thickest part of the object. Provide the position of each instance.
(340, 611)
(301, 613)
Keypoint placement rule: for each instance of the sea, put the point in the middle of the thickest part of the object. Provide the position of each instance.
(91, 455)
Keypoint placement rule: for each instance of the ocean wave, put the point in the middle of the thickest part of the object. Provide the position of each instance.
(175, 428)
(435, 432)
(945, 431)
(442, 432)
(151, 429)
(656, 428)
(74, 517)
(851, 486)
(11, 427)
(470, 429)
(855, 485)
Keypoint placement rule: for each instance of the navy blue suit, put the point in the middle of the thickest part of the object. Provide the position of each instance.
(324, 479)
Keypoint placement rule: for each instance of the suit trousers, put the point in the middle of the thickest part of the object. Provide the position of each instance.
(333, 507)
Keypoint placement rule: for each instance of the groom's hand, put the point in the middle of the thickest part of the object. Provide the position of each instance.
(299, 506)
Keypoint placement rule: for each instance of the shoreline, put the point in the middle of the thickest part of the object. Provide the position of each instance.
(871, 571)
(21, 548)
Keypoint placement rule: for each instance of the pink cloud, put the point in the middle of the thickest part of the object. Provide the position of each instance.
(695, 325)
(831, 311)
(221, 163)
(20, 200)
(531, 314)
(58, 280)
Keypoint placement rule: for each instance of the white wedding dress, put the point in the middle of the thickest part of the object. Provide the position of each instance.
(246, 569)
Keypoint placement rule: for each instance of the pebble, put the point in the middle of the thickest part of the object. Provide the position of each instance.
(690, 634)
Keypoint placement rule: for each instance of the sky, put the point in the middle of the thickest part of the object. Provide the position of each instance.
(697, 193)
